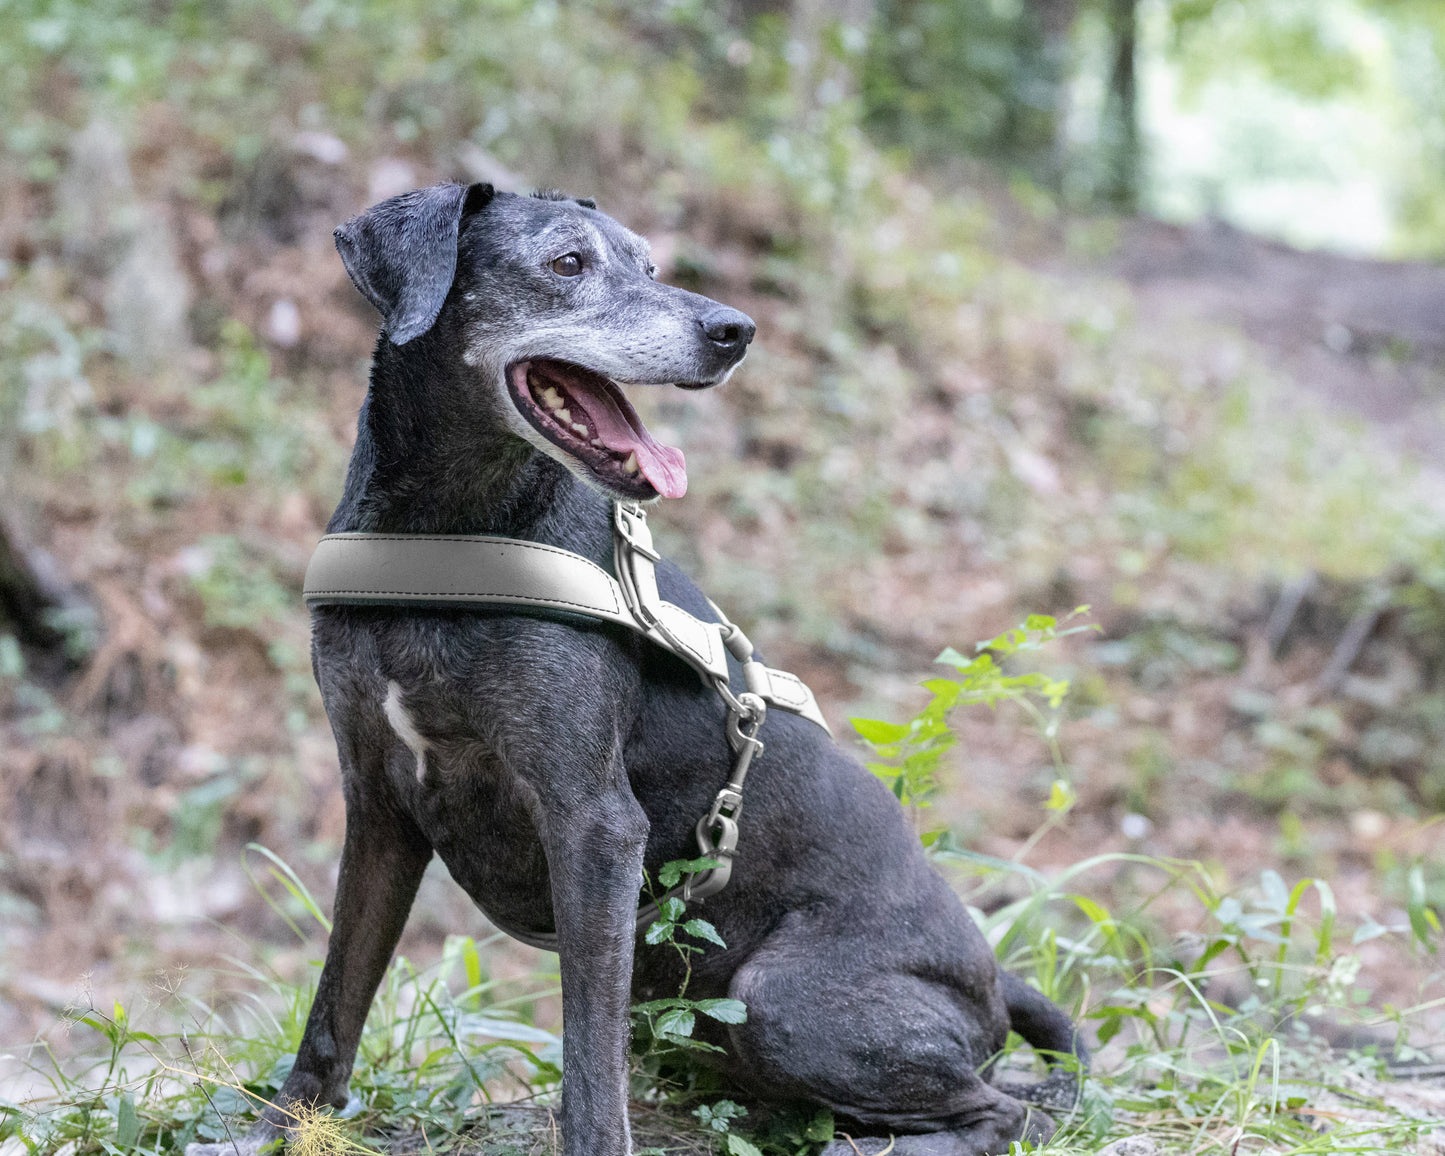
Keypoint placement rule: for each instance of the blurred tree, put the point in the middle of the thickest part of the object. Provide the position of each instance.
(1119, 132)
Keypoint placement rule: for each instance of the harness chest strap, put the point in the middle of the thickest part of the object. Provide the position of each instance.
(433, 569)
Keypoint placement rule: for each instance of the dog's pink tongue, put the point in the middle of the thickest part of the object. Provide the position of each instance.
(663, 466)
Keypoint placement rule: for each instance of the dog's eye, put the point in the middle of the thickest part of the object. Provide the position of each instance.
(568, 266)
(652, 271)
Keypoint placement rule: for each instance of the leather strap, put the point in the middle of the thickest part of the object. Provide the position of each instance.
(435, 569)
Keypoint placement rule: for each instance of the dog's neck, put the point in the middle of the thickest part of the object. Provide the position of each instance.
(431, 458)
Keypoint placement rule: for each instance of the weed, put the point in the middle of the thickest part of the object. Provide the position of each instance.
(910, 753)
(663, 1026)
(433, 1049)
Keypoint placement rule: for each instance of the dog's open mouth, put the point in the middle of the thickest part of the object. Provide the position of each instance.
(586, 415)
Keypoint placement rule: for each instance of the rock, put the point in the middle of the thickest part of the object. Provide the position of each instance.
(479, 165)
(148, 297)
(283, 323)
(1131, 1146)
(390, 177)
(95, 199)
(321, 146)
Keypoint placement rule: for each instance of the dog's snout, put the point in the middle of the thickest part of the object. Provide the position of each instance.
(727, 328)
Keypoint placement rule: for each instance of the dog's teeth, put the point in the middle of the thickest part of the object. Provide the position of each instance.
(562, 415)
(598, 443)
(549, 395)
(629, 464)
(578, 427)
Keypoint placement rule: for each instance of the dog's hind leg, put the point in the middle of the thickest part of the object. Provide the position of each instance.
(382, 863)
(892, 1045)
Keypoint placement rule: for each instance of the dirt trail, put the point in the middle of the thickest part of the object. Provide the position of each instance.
(1366, 337)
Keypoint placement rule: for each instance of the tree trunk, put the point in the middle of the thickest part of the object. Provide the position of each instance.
(1055, 22)
(1120, 130)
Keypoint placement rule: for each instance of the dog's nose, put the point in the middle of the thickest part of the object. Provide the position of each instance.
(728, 329)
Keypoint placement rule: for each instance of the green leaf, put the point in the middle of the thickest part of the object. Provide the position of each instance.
(950, 657)
(472, 961)
(678, 1022)
(1327, 917)
(127, 1123)
(1423, 919)
(672, 909)
(659, 932)
(657, 1005)
(671, 873)
(702, 929)
(1276, 895)
(878, 731)
(820, 1128)
(1109, 1029)
(727, 1011)
(737, 1146)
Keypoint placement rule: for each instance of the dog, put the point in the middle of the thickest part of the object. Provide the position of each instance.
(549, 762)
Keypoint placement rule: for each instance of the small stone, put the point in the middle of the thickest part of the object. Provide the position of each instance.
(321, 146)
(283, 323)
(390, 177)
(1131, 1146)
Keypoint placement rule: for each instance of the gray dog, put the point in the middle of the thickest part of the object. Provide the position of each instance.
(550, 762)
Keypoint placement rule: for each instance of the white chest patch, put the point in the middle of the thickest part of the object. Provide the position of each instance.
(405, 729)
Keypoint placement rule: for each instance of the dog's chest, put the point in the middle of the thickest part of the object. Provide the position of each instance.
(472, 808)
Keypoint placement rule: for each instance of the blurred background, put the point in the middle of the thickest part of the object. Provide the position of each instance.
(1127, 303)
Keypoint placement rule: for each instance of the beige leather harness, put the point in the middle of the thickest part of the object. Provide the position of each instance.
(455, 570)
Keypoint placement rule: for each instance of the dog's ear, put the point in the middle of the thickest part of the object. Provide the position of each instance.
(402, 253)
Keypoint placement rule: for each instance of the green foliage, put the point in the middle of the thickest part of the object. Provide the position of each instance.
(970, 77)
(910, 753)
(237, 590)
(437, 1044)
(662, 1027)
(1186, 1046)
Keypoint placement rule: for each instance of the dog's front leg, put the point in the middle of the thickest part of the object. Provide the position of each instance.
(382, 863)
(594, 845)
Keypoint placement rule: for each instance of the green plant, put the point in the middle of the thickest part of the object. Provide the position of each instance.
(439, 1041)
(667, 1024)
(909, 753)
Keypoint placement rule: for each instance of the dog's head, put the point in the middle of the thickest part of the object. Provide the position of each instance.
(555, 308)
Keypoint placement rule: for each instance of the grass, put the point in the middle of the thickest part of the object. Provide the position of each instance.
(1208, 1041)
(439, 1042)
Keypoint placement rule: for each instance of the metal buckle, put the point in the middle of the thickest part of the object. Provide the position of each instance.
(717, 838)
(750, 712)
